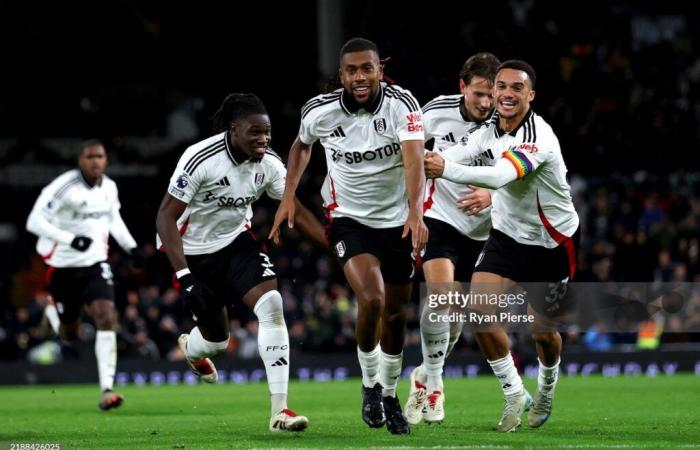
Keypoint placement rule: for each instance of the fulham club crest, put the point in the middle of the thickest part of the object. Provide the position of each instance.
(340, 249)
(380, 126)
(259, 178)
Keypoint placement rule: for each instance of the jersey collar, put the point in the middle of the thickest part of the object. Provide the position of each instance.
(231, 154)
(350, 106)
(514, 131)
(98, 183)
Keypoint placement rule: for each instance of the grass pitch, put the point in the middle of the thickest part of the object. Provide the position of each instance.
(590, 412)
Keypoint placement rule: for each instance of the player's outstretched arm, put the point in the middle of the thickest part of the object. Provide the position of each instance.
(415, 187)
(492, 177)
(166, 226)
(299, 156)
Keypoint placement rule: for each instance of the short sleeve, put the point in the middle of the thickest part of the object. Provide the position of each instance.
(407, 115)
(278, 175)
(186, 179)
(309, 121)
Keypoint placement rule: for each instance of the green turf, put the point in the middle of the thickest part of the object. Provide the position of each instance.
(592, 412)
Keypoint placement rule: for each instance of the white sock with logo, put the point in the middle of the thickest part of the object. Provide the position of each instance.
(507, 375)
(548, 376)
(273, 346)
(435, 335)
(389, 372)
(369, 364)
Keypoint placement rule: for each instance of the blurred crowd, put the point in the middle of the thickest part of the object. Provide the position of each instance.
(622, 94)
(635, 228)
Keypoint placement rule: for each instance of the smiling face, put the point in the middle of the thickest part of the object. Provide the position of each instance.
(478, 97)
(513, 93)
(251, 135)
(360, 74)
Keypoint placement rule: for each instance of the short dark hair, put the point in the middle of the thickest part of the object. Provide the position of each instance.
(358, 44)
(234, 107)
(518, 64)
(481, 65)
(89, 143)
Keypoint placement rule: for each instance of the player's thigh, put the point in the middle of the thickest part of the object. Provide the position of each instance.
(484, 287)
(364, 275)
(395, 256)
(248, 267)
(349, 238)
(67, 288)
(469, 251)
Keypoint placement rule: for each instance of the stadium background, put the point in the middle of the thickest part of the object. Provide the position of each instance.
(618, 83)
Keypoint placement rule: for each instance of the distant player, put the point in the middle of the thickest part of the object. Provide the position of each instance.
(458, 228)
(204, 226)
(372, 134)
(535, 227)
(74, 217)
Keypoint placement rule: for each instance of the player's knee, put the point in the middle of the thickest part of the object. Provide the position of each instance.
(546, 337)
(371, 302)
(269, 309)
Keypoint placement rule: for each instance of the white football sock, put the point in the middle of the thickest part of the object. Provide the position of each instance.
(389, 372)
(106, 354)
(52, 316)
(507, 375)
(273, 346)
(198, 348)
(369, 364)
(455, 334)
(435, 336)
(548, 376)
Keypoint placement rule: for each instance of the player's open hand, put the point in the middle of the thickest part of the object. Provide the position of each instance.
(419, 232)
(475, 201)
(285, 211)
(434, 165)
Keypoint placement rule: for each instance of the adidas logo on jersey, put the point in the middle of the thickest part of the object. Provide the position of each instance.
(449, 137)
(280, 362)
(223, 182)
(338, 132)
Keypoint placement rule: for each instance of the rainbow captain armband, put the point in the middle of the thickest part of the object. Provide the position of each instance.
(522, 165)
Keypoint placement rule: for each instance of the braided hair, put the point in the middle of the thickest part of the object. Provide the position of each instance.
(234, 107)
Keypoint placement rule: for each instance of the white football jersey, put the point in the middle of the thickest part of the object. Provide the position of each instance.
(219, 191)
(444, 121)
(365, 179)
(535, 209)
(69, 207)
